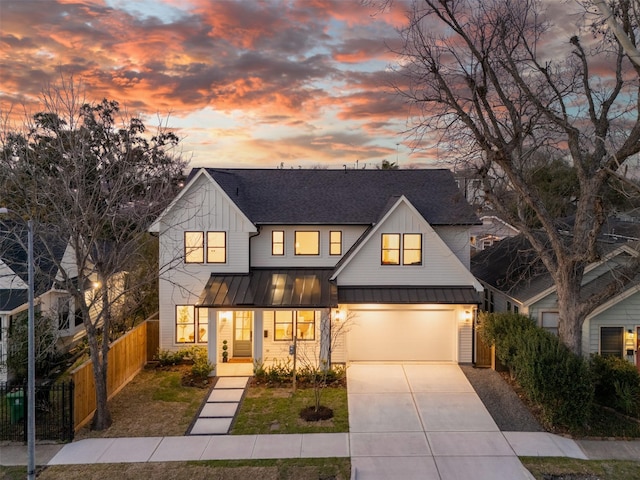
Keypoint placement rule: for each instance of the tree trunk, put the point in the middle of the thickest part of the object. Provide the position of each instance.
(102, 416)
(570, 311)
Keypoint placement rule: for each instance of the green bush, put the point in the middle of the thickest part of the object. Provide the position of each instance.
(550, 374)
(281, 371)
(555, 378)
(617, 383)
(168, 358)
(505, 331)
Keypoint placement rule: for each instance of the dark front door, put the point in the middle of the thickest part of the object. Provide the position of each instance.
(243, 334)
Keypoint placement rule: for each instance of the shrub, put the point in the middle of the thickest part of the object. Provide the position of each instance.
(555, 378)
(506, 331)
(167, 358)
(617, 383)
(549, 373)
(201, 367)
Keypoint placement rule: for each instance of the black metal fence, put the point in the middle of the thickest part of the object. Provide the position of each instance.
(54, 411)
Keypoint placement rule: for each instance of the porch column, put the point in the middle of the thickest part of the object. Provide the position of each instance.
(257, 335)
(212, 337)
(325, 335)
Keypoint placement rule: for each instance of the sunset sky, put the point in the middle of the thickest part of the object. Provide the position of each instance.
(245, 82)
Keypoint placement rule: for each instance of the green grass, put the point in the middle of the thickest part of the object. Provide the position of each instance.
(602, 469)
(276, 410)
(276, 469)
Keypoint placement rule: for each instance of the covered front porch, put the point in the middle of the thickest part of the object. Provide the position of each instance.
(255, 318)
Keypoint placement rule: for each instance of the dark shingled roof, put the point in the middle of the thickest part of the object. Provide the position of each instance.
(342, 196)
(513, 267)
(10, 299)
(14, 255)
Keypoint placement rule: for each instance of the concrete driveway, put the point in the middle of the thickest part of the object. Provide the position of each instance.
(423, 421)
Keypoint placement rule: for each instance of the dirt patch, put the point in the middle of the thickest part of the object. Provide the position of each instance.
(310, 414)
(154, 403)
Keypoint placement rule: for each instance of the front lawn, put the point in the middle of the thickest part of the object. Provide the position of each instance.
(551, 468)
(276, 410)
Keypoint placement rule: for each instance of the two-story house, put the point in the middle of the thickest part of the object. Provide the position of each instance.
(51, 300)
(255, 257)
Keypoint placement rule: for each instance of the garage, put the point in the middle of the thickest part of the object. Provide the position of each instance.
(402, 335)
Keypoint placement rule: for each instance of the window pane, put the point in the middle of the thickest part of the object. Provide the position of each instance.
(335, 243)
(283, 325)
(185, 323)
(611, 341)
(203, 325)
(305, 326)
(277, 242)
(550, 321)
(412, 254)
(307, 243)
(194, 247)
(216, 247)
(390, 248)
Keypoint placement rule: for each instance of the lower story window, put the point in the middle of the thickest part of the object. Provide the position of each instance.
(611, 341)
(550, 322)
(302, 321)
(192, 324)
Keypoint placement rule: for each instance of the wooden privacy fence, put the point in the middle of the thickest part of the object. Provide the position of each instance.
(127, 356)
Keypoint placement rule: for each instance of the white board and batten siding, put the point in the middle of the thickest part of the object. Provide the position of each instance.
(203, 208)
(261, 251)
(440, 266)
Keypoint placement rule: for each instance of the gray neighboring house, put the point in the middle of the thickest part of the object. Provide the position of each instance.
(515, 280)
(492, 230)
(259, 257)
(49, 299)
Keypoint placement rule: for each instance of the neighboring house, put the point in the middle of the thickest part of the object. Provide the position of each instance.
(258, 257)
(49, 299)
(470, 184)
(515, 280)
(492, 230)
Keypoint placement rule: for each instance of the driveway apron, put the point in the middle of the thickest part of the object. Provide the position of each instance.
(423, 421)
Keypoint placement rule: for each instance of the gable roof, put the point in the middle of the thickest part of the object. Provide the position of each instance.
(270, 196)
(514, 268)
(14, 254)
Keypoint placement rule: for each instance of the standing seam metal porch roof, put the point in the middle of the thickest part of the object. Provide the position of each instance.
(268, 287)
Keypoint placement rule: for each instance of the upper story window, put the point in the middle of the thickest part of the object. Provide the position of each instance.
(277, 242)
(412, 249)
(407, 247)
(335, 243)
(194, 247)
(216, 247)
(307, 243)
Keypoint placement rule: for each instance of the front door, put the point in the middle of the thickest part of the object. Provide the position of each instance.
(243, 334)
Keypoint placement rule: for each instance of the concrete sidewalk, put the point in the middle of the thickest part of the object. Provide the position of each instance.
(311, 445)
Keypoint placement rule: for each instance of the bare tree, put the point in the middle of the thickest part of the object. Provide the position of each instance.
(91, 175)
(314, 358)
(496, 86)
(618, 19)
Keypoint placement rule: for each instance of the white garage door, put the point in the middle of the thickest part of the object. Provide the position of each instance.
(402, 335)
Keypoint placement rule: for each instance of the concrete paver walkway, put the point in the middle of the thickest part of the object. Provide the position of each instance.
(217, 414)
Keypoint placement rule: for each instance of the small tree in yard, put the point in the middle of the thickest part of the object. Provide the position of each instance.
(89, 174)
(314, 361)
(497, 87)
